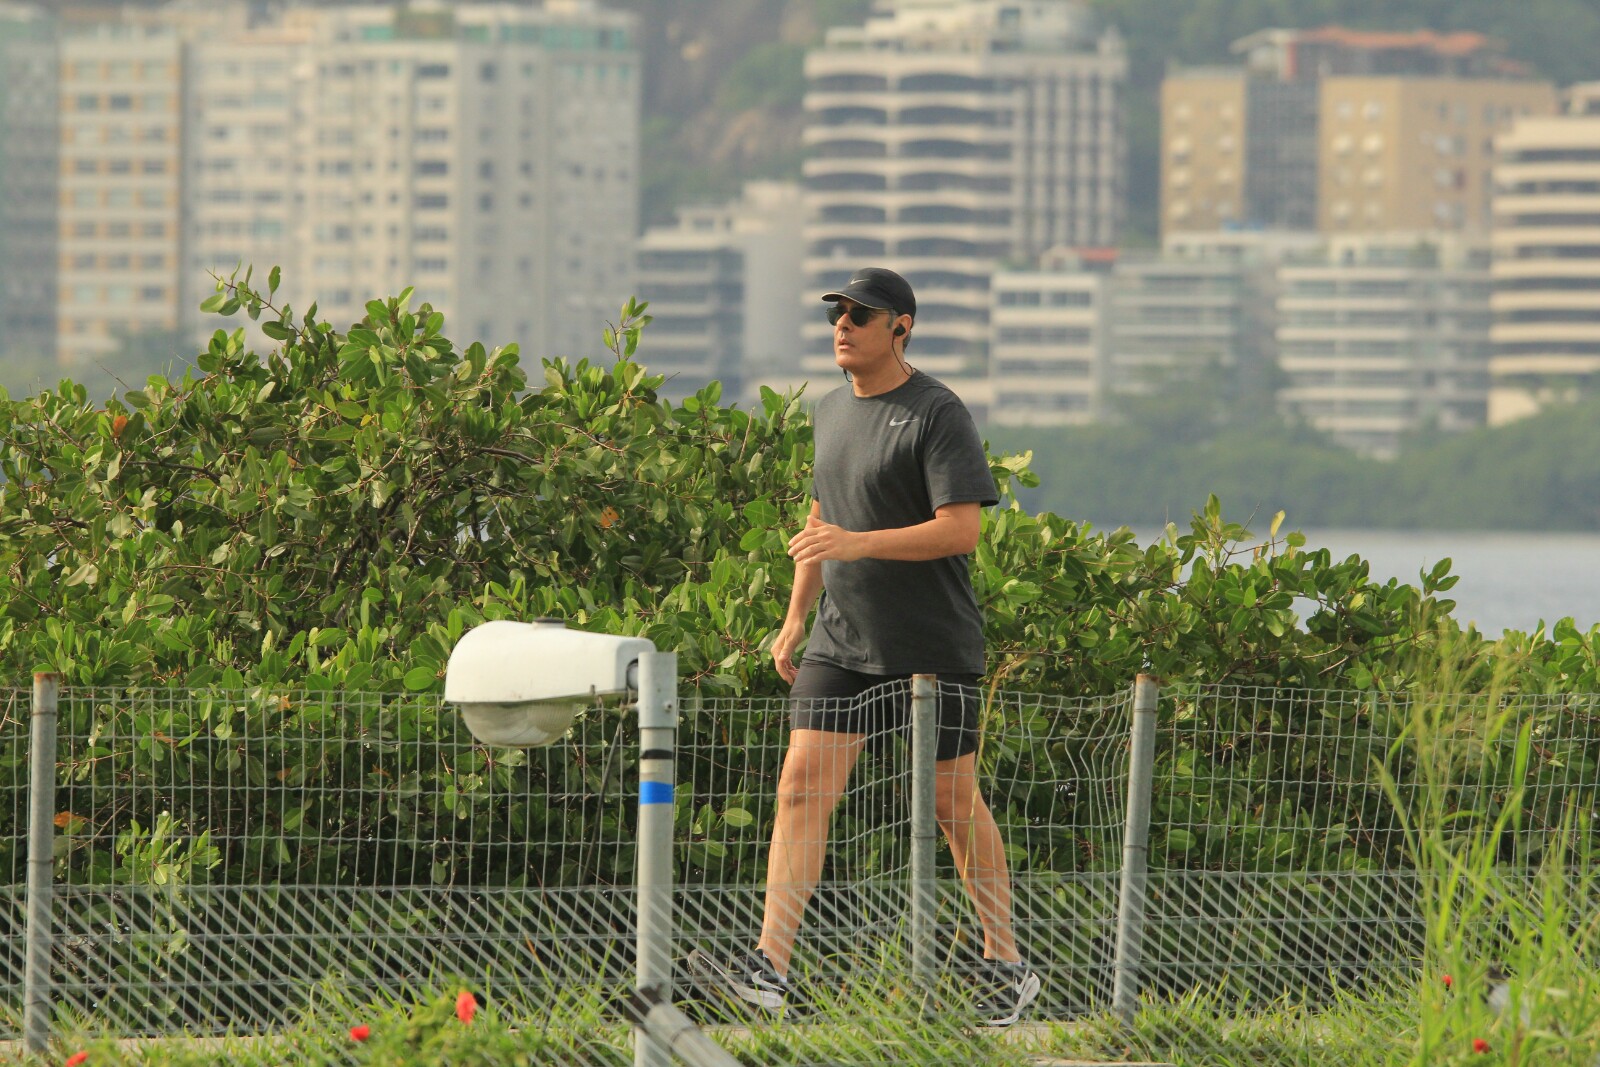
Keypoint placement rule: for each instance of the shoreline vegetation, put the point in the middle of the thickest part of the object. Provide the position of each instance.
(1161, 459)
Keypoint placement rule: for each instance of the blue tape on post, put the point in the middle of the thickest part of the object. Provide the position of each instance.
(655, 792)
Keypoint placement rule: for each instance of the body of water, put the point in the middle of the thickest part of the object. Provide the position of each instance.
(1509, 581)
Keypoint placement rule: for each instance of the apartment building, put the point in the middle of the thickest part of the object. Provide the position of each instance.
(1341, 131)
(246, 198)
(721, 284)
(1546, 268)
(120, 184)
(945, 136)
(1379, 336)
(484, 154)
(1409, 154)
(29, 149)
(1172, 318)
(1093, 326)
(1203, 149)
(1047, 363)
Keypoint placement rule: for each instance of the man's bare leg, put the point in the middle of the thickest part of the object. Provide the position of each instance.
(815, 771)
(978, 851)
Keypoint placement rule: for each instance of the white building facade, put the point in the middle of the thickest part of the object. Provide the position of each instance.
(721, 284)
(1047, 364)
(485, 154)
(1383, 336)
(1547, 260)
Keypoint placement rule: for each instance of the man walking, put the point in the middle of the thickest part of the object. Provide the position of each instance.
(899, 481)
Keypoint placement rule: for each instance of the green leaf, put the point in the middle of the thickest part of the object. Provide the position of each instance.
(420, 678)
(761, 514)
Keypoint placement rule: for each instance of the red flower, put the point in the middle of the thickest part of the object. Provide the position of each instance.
(360, 1033)
(1480, 1045)
(76, 1058)
(1448, 981)
(466, 1006)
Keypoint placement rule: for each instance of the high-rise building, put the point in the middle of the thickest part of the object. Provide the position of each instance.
(721, 285)
(1381, 336)
(1203, 114)
(1332, 129)
(485, 154)
(29, 149)
(945, 136)
(1547, 259)
(121, 177)
(1410, 154)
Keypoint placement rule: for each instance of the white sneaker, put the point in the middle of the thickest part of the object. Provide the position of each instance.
(1004, 991)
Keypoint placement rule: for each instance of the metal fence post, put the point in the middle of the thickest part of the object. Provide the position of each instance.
(1135, 849)
(41, 861)
(924, 827)
(658, 724)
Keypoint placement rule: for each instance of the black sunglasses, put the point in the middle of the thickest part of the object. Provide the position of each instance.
(860, 314)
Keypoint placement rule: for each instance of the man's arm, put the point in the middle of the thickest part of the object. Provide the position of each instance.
(807, 584)
(953, 531)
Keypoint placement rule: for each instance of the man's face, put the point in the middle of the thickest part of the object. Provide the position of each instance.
(863, 348)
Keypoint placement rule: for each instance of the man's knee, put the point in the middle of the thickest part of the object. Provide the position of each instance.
(956, 799)
(813, 776)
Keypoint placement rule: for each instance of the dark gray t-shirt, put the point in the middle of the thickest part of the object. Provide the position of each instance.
(882, 463)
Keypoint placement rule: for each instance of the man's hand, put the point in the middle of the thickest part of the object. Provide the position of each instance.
(820, 540)
(783, 649)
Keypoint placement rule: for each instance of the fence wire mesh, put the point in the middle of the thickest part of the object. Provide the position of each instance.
(1279, 861)
(219, 856)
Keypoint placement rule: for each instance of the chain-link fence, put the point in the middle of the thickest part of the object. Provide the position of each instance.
(219, 855)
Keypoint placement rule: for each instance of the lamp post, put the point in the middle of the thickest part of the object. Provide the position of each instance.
(521, 685)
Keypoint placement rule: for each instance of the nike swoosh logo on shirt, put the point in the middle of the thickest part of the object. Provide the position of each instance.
(901, 422)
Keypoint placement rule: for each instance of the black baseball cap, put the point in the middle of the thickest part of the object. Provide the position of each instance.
(877, 287)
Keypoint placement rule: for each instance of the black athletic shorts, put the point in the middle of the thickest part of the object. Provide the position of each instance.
(841, 701)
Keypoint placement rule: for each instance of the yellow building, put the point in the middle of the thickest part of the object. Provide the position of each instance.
(1341, 131)
(1402, 153)
(1202, 150)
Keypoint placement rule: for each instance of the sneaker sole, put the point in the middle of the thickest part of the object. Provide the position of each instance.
(1025, 996)
(716, 977)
